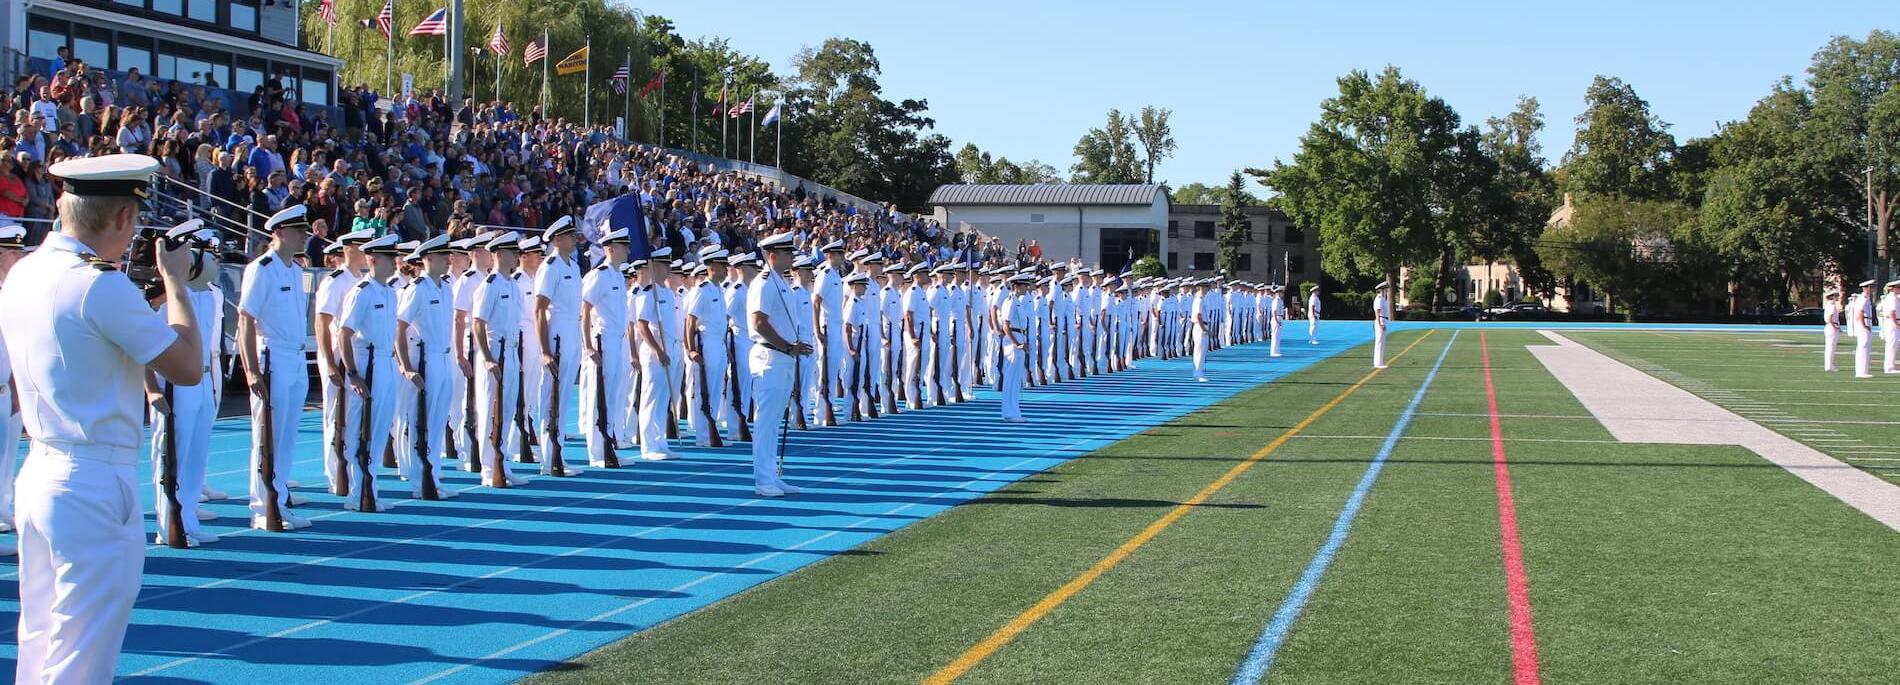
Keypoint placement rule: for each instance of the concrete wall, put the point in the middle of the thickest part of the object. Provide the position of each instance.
(1063, 231)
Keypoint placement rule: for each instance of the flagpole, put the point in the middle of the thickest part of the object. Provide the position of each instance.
(752, 112)
(724, 112)
(778, 138)
(389, 57)
(695, 119)
(587, 90)
(546, 56)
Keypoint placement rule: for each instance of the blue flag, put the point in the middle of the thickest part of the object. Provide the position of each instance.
(622, 212)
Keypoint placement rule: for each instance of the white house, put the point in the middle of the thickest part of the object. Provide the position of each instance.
(1102, 224)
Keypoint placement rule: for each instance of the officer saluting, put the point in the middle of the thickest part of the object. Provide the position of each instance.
(80, 339)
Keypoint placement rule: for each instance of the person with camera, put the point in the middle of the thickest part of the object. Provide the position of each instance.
(80, 338)
(182, 414)
(273, 323)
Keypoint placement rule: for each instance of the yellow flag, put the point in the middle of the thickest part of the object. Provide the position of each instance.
(572, 64)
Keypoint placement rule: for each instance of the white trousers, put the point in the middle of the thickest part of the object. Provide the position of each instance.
(289, 383)
(365, 457)
(495, 398)
(772, 374)
(552, 434)
(1863, 350)
(617, 370)
(1201, 335)
(1273, 330)
(1889, 341)
(1829, 338)
(738, 386)
(438, 378)
(711, 395)
(1012, 381)
(82, 554)
(1378, 346)
(332, 427)
(914, 391)
(9, 456)
(192, 413)
(655, 397)
(1312, 328)
(461, 397)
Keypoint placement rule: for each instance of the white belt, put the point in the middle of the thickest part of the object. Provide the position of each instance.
(281, 345)
(107, 454)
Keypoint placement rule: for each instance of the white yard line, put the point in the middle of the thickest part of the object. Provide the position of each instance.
(1637, 407)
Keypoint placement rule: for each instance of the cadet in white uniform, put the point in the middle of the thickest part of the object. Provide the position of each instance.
(1830, 326)
(736, 415)
(1862, 312)
(181, 414)
(606, 370)
(495, 317)
(916, 333)
(523, 438)
(705, 344)
(557, 304)
(857, 340)
(1203, 322)
(1312, 316)
(465, 414)
(80, 339)
(650, 336)
(330, 291)
(1890, 326)
(368, 326)
(12, 248)
(1276, 319)
(1013, 321)
(782, 343)
(827, 294)
(425, 321)
(874, 344)
(892, 296)
(1381, 318)
(272, 326)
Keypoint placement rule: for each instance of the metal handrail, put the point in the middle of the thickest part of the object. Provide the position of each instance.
(206, 195)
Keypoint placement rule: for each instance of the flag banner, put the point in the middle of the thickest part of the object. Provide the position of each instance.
(499, 43)
(327, 12)
(572, 64)
(387, 17)
(771, 116)
(659, 79)
(536, 52)
(742, 108)
(437, 24)
(620, 78)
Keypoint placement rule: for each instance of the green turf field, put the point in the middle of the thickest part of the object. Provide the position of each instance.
(1644, 563)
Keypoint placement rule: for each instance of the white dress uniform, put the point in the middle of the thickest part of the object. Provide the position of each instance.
(807, 382)
(916, 339)
(873, 348)
(1040, 344)
(429, 309)
(604, 291)
(527, 363)
(938, 362)
(738, 344)
(1381, 319)
(1276, 320)
(1014, 317)
(706, 378)
(1860, 316)
(369, 316)
(1062, 313)
(1312, 317)
(497, 305)
(10, 430)
(1203, 322)
(671, 313)
(772, 371)
(1889, 328)
(559, 283)
(273, 294)
(656, 392)
(79, 335)
(329, 301)
(1830, 329)
(856, 323)
(462, 413)
(829, 293)
(194, 408)
(892, 297)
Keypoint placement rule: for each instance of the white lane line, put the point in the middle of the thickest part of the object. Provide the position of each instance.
(1453, 439)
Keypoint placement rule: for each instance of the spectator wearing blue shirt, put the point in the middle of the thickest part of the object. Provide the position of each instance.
(260, 157)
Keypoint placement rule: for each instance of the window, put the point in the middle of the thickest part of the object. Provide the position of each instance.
(316, 89)
(247, 80)
(94, 45)
(1295, 235)
(1204, 229)
(244, 16)
(1245, 262)
(1035, 218)
(1203, 261)
(44, 44)
(1296, 264)
(132, 3)
(167, 66)
(1174, 228)
(1246, 231)
(133, 57)
(202, 10)
(169, 6)
(1174, 261)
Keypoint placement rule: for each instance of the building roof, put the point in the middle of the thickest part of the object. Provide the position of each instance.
(1047, 194)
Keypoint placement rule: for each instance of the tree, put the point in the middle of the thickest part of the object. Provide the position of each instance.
(1527, 194)
(853, 139)
(1366, 176)
(1625, 247)
(1202, 194)
(697, 69)
(975, 166)
(1157, 139)
(1107, 154)
(1233, 224)
(1148, 267)
(1856, 128)
(1621, 148)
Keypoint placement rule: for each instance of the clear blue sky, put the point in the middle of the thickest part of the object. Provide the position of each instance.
(1024, 79)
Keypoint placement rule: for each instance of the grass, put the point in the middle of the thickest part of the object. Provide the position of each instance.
(1647, 563)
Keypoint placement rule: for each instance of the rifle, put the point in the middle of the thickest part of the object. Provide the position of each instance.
(552, 425)
(672, 393)
(422, 424)
(705, 398)
(267, 454)
(468, 412)
(936, 345)
(956, 362)
(367, 493)
(524, 435)
(601, 422)
(856, 386)
(449, 432)
(740, 416)
(869, 382)
(339, 466)
(826, 416)
(798, 402)
(497, 477)
(168, 476)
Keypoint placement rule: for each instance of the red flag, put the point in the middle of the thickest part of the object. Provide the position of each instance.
(659, 79)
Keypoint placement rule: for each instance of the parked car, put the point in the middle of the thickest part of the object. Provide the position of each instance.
(1462, 311)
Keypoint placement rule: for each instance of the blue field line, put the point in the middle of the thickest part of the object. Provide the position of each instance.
(1260, 658)
(498, 584)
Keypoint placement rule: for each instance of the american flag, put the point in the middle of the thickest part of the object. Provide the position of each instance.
(742, 108)
(619, 80)
(387, 17)
(327, 11)
(499, 43)
(436, 25)
(536, 52)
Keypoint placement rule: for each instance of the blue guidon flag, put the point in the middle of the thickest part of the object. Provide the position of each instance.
(615, 214)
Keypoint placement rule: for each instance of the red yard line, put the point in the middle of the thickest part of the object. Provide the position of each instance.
(1517, 587)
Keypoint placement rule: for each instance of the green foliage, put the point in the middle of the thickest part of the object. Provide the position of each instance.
(1525, 195)
(1637, 251)
(1494, 298)
(1418, 289)
(1157, 138)
(975, 166)
(1856, 126)
(1202, 194)
(1621, 148)
(1149, 267)
(848, 136)
(1233, 225)
(1107, 154)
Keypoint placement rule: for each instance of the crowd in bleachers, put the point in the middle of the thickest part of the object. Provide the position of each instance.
(415, 166)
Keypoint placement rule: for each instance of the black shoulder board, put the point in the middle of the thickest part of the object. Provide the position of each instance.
(365, 282)
(602, 267)
(266, 259)
(490, 279)
(391, 282)
(336, 273)
(95, 262)
(468, 273)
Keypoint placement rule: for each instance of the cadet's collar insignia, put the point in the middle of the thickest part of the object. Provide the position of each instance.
(490, 279)
(468, 273)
